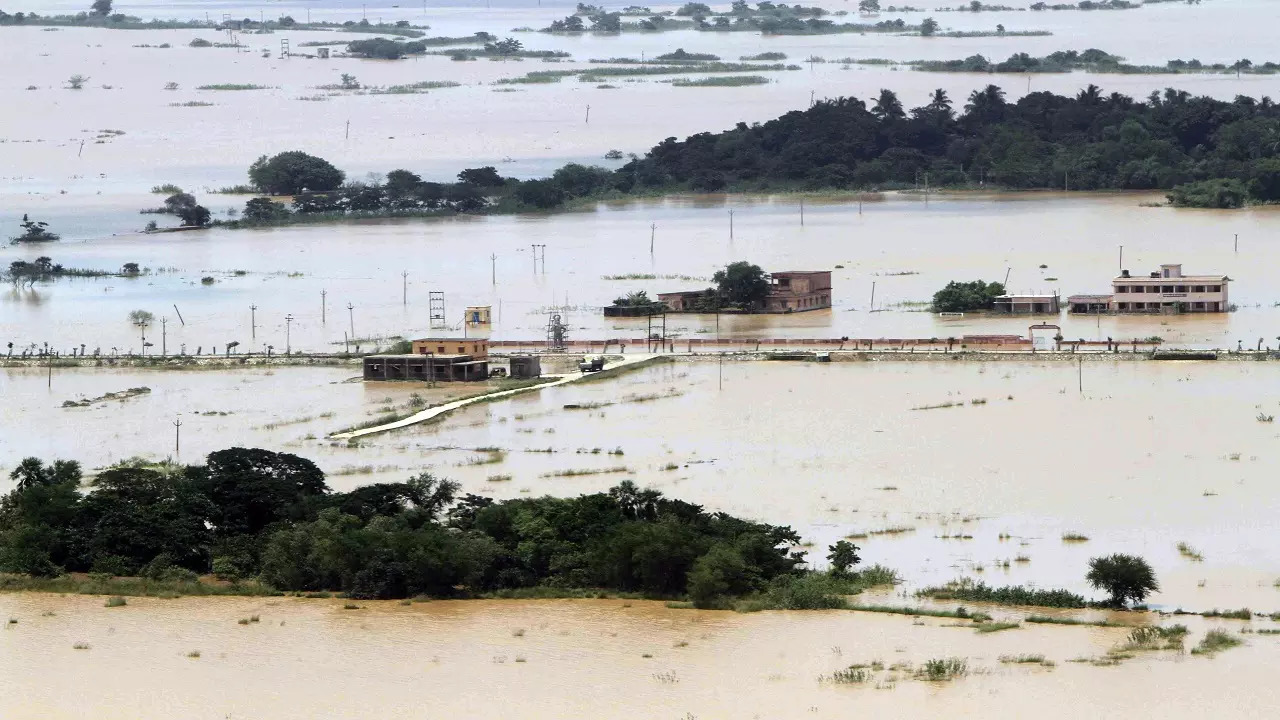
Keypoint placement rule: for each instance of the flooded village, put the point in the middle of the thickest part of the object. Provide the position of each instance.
(589, 361)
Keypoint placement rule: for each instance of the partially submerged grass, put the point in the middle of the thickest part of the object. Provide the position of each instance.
(116, 601)
(991, 627)
(723, 81)
(969, 590)
(961, 612)
(577, 472)
(1215, 641)
(940, 669)
(233, 86)
(1027, 659)
(128, 586)
(1050, 620)
(1152, 637)
(1074, 537)
(1189, 552)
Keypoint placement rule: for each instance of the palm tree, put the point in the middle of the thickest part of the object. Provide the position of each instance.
(1091, 95)
(986, 105)
(888, 107)
(940, 105)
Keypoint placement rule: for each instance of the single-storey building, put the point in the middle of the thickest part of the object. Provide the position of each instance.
(798, 291)
(1014, 304)
(433, 359)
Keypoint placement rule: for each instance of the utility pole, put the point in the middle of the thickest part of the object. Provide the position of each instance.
(801, 212)
(873, 296)
(288, 327)
(404, 293)
(1080, 373)
(1006, 277)
(347, 135)
(493, 268)
(1122, 258)
(50, 363)
(730, 223)
(1237, 245)
(164, 321)
(653, 230)
(588, 120)
(322, 306)
(253, 322)
(177, 435)
(142, 326)
(352, 316)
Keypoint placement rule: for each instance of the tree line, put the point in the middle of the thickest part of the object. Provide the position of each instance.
(251, 513)
(1204, 152)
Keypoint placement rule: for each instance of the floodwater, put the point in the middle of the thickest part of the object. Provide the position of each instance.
(574, 659)
(907, 248)
(1148, 456)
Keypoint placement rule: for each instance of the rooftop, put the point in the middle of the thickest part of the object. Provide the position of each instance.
(449, 339)
(412, 356)
(799, 272)
(1179, 280)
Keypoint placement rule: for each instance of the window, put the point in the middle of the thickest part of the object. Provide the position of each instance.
(1197, 306)
(1215, 288)
(462, 349)
(1122, 288)
(1182, 288)
(1153, 288)
(1166, 288)
(1139, 306)
(1124, 306)
(1197, 288)
(440, 349)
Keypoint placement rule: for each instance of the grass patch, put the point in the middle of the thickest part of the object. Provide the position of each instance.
(852, 675)
(1241, 614)
(971, 591)
(233, 86)
(961, 613)
(1189, 552)
(116, 601)
(128, 586)
(578, 472)
(724, 81)
(1073, 537)
(1152, 638)
(941, 669)
(498, 478)
(1050, 620)
(877, 575)
(896, 530)
(191, 103)
(1028, 659)
(1215, 641)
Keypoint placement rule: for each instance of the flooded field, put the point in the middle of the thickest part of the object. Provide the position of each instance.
(576, 659)
(907, 248)
(940, 470)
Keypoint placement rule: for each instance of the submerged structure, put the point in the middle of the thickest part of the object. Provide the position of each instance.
(789, 291)
(1167, 291)
(433, 360)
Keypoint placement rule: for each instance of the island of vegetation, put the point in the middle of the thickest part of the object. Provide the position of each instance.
(1203, 152)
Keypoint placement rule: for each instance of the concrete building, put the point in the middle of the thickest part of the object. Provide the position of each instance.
(1166, 291)
(1014, 304)
(1169, 291)
(683, 301)
(433, 359)
(798, 291)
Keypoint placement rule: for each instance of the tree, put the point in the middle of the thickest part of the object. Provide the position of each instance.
(966, 296)
(194, 216)
(928, 27)
(137, 515)
(177, 201)
(869, 6)
(32, 472)
(888, 107)
(130, 268)
(1125, 577)
(607, 22)
(349, 82)
(292, 172)
(76, 82)
(485, 176)
(100, 8)
(843, 556)
(402, 183)
(264, 210)
(541, 194)
(253, 488)
(506, 47)
(742, 284)
(34, 231)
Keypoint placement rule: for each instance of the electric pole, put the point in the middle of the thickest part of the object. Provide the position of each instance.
(322, 306)
(730, 224)
(253, 322)
(404, 293)
(288, 328)
(493, 268)
(177, 435)
(352, 316)
(164, 334)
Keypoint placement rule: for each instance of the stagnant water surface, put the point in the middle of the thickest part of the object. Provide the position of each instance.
(1148, 456)
(575, 659)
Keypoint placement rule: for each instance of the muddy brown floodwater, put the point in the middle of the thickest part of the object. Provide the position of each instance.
(1148, 456)
(577, 659)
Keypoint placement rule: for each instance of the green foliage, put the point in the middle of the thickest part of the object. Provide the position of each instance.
(34, 231)
(292, 172)
(1125, 577)
(1215, 641)
(969, 590)
(928, 27)
(1216, 193)
(843, 556)
(966, 296)
(742, 284)
(263, 210)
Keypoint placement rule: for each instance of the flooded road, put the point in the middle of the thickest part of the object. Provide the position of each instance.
(573, 659)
